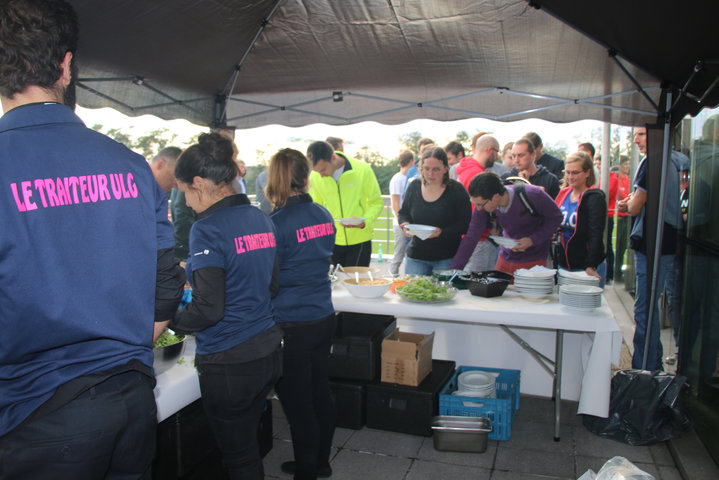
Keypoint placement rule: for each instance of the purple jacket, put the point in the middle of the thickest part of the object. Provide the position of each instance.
(516, 223)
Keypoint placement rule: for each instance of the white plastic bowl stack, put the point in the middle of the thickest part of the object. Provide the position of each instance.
(584, 298)
(577, 278)
(535, 282)
(475, 383)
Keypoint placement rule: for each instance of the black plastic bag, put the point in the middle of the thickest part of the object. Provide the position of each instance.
(643, 408)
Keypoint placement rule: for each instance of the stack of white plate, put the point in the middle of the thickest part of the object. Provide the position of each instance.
(577, 278)
(535, 282)
(580, 297)
(474, 383)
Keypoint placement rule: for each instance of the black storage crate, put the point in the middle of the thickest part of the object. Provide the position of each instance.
(357, 345)
(405, 409)
(350, 400)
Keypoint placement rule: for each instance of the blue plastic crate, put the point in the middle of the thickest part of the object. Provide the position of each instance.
(500, 411)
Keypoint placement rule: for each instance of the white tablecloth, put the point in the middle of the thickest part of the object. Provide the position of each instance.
(466, 332)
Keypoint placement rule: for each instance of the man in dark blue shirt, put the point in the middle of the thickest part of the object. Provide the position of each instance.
(86, 268)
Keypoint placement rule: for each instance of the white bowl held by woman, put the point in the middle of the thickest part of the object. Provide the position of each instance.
(421, 231)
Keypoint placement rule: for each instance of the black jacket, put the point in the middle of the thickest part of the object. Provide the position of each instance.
(586, 247)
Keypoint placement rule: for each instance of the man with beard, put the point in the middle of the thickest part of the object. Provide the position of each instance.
(88, 259)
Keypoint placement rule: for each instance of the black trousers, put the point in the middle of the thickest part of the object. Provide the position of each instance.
(107, 432)
(233, 397)
(304, 392)
(353, 255)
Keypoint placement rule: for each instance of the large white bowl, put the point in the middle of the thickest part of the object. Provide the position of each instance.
(349, 272)
(421, 231)
(377, 289)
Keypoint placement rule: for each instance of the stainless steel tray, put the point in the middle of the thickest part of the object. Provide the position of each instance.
(460, 434)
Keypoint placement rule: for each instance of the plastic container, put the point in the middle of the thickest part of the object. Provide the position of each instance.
(487, 286)
(460, 434)
(500, 411)
(357, 345)
(405, 409)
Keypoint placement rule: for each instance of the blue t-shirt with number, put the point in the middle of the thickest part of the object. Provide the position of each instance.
(569, 217)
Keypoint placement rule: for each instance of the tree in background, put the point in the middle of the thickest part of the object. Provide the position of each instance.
(409, 140)
(559, 149)
(148, 144)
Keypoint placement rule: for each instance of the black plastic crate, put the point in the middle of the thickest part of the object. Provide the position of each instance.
(405, 409)
(350, 400)
(357, 345)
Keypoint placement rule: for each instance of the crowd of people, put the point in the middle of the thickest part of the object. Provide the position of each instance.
(95, 264)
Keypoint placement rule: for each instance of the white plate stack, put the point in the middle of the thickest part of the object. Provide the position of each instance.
(577, 278)
(535, 282)
(474, 383)
(584, 298)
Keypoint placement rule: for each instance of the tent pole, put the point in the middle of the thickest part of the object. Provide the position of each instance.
(651, 307)
(613, 54)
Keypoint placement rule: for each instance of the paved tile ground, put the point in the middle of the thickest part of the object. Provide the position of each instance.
(530, 453)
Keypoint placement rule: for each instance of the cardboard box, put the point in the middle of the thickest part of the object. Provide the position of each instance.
(406, 357)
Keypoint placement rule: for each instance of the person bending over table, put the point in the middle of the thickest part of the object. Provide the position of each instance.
(231, 267)
(440, 202)
(303, 307)
(531, 225)
(584, 213)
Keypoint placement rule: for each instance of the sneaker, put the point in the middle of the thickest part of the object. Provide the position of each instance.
(671, 359)
(322, 472)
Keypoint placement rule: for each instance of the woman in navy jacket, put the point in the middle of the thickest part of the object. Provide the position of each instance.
(303, 307)
(584, 210)
(231, 266)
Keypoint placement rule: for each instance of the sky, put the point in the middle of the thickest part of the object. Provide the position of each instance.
(256, 145)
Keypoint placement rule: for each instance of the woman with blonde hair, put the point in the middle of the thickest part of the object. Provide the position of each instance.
(303, 307)
(584, 211)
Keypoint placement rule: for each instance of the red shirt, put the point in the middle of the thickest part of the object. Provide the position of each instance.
(623, 191)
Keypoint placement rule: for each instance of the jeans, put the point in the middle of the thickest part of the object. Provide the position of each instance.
(654, 357)
(426, 267)
(107, 432)
(304, 392)
(400, 249)
(233, 397)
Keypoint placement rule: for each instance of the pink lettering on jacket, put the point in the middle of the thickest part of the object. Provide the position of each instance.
(255, 241)
(314, 231)
(56, 192)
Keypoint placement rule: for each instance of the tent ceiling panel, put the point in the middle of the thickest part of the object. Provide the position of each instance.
(386, 56)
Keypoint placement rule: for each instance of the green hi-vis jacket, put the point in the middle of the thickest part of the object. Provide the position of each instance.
(356, 194)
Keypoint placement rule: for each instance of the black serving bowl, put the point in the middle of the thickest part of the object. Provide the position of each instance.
(493, 274)
(491, 283)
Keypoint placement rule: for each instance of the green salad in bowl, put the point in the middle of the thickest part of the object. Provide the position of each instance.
(426, 290)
